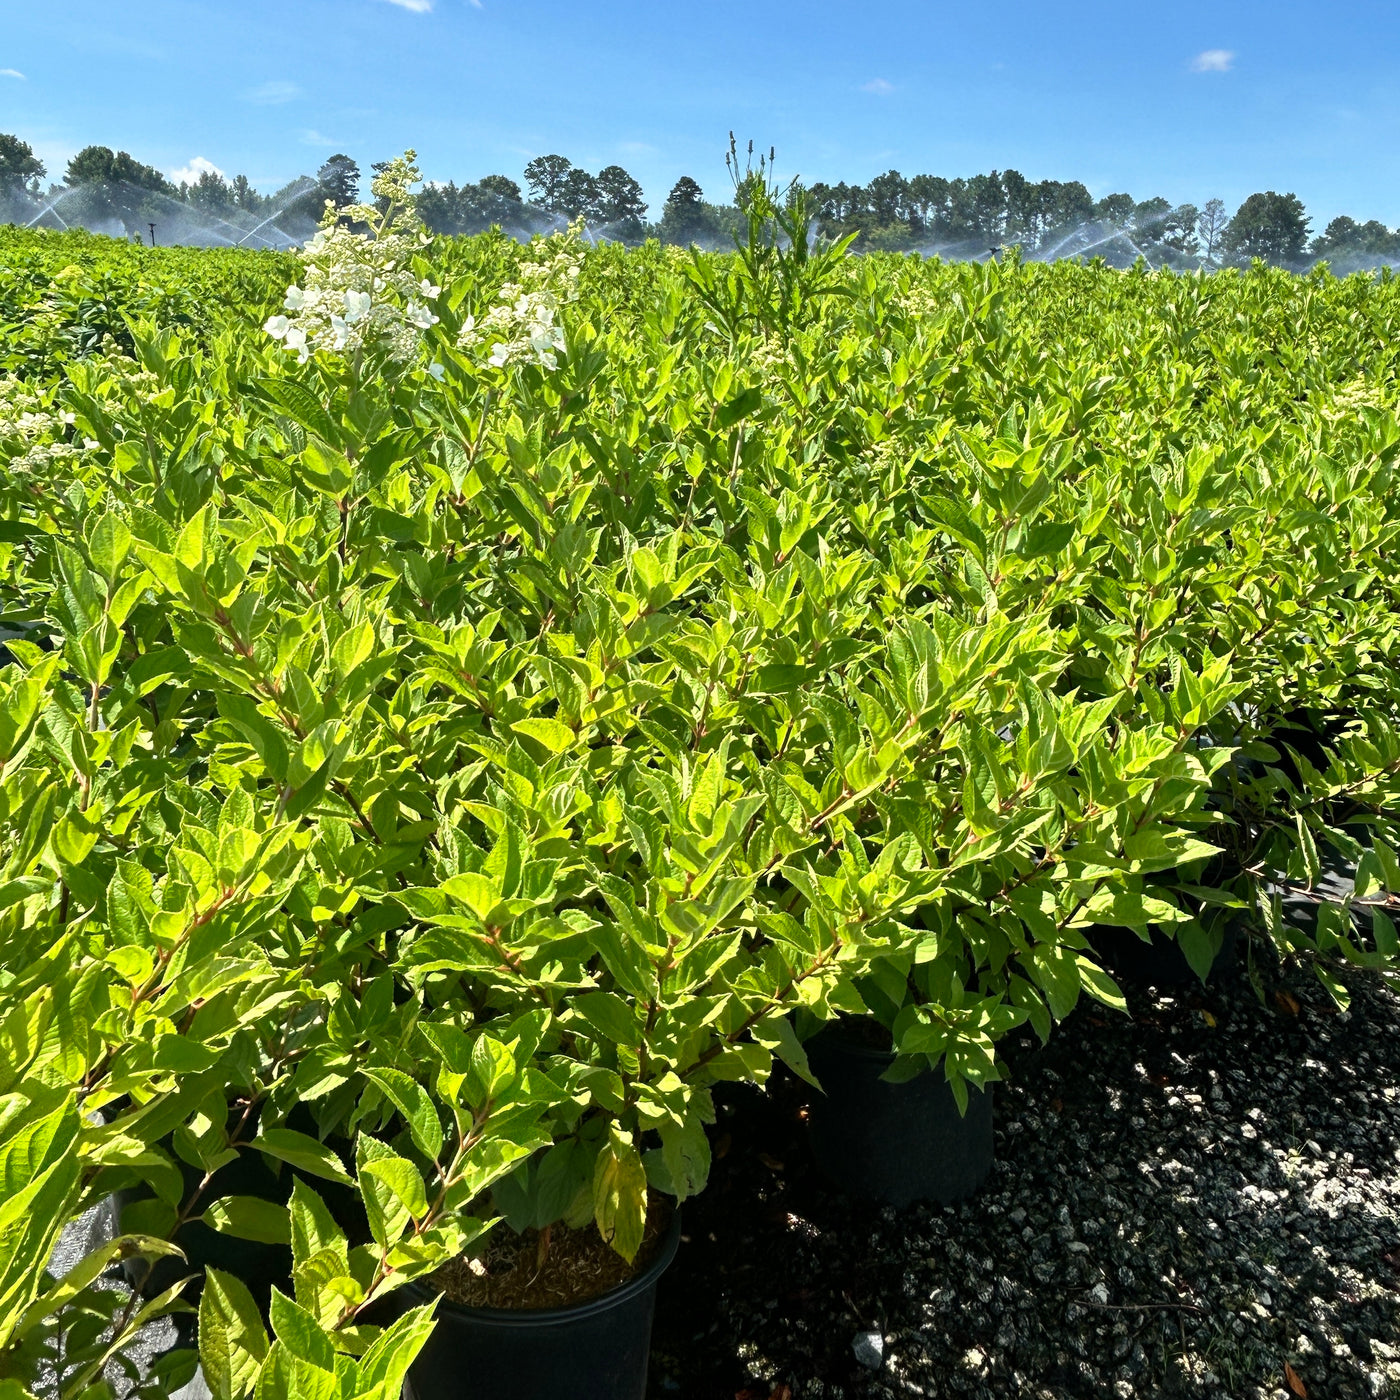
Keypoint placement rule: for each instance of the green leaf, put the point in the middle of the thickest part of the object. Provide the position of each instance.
(300, 1333)
(232, 1341)
(681, 1167)
(740, 406)
(555, 735)
(249, 1218)
(1312, 865)
(192, 542)
(298, 1150)
(1199, 946)
(312, 1229)
(479, 893)
(1100, 985)
(76, 834)
(419, 1111)
(353, 647)
(302, 406)
(620, 1194)
(404, 1180)
(109, 545)
(1336, 988)
(775, 1033)
(384, 1366)
(612, 1017)
(492, 1070)
(1055, 971)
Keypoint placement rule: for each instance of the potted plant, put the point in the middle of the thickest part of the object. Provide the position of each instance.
(1035, 862)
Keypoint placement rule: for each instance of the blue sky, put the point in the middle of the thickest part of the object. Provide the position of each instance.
(1185, 100)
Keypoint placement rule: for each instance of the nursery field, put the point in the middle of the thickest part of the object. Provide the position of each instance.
(472, 714)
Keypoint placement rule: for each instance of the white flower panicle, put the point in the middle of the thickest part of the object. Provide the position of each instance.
(33, 433)
(359, 292)
(523, 328)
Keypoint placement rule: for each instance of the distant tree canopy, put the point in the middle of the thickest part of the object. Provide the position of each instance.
(964, 216)
(100, 165)
(683, 214)
(546, 178)
(1269, 226)
(619, 197)
(1115, 209)
(1344, 238)
(20, 168)
(983, 210)
(612, 196)
(338, 180)
(1210, 227)
(468, 208)
(501, 185)
(686, 218)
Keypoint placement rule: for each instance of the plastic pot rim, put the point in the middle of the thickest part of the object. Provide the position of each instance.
(551, 1317)
(832, 1037)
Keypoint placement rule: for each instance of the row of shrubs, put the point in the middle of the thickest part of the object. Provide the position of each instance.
(430, 766)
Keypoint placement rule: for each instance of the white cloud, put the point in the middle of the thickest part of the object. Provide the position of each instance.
(13, 73)
(190, 174)
(273, 94)
(1213, 61)
(314, 138)
(879, 86)
(419, 7)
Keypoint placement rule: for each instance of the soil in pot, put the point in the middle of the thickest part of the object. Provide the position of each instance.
(893, 1142)
(574, 1324)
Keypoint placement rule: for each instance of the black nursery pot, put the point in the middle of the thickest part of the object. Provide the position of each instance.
(1160, 963)
(894, 1142)
(256, 1264)
(596, 1350)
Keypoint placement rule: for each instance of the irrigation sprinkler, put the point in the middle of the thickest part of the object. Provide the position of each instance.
(152, 228)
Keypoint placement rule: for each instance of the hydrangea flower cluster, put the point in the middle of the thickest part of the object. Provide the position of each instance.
(359, 291)
(523, 328)
(1349, 399)
(32, 431)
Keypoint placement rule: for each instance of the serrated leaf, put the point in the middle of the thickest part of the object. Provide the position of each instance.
(232, 1341)
(620, 1194)
(412, 1100)
(249, 1218)
(299, 1150)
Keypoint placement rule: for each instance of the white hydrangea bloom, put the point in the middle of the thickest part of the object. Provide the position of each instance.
(34, 437)
(523, 327)
(359, 292)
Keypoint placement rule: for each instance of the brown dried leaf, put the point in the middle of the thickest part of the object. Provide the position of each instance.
(1288, 1003)
(722, 1147)
(1295, 1382)
(771, 1162)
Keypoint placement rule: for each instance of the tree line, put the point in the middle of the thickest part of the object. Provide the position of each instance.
(961, 216)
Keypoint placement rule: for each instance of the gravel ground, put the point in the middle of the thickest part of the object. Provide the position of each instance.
(1199, 1199)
